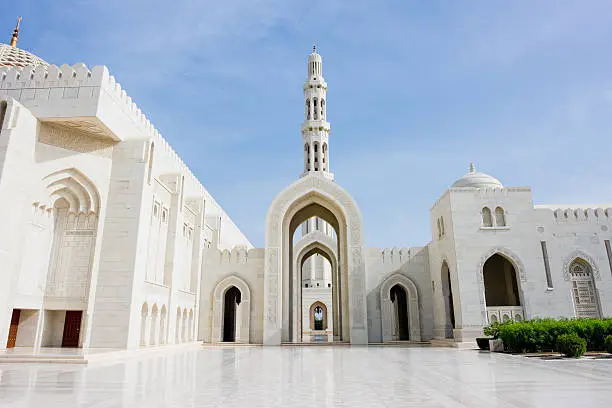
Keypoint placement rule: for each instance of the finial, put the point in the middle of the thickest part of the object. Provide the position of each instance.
(472, 168)
(314, 48)
(16, 33)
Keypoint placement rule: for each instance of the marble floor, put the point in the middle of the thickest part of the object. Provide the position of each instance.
(291, 377)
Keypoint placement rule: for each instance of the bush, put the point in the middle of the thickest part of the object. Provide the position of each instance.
(572, 345)
(608, 343)
(541, 334)
(483, 342)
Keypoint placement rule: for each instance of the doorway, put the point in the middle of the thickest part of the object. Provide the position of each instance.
(400, 313)
(12, 336)
(72, 328)
(231, 301)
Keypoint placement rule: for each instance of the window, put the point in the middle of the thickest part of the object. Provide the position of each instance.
(306, 285)
(329, 285)
(546, 265)
(155, 209)
(150, 170)
(190, 233)
(500, 218)
(583, 289)
(609, 252)
(185, 229)
(164, 215)
(486, 217)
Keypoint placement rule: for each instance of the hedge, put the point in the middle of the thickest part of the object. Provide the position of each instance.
(572, 345)
(541, 334)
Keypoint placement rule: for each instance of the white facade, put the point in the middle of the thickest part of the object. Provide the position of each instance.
(109, 240)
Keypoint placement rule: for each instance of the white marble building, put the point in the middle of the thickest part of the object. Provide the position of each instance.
(109, 240)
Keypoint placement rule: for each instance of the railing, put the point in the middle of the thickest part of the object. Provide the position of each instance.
(505, 313)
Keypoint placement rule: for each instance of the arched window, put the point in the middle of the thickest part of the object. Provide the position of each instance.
(583, 289)
(3, 108)
(439, 229)
(442, 225)
(486, 217)
(500, 218)
(316, 108)
(322, 108)
(144, 313)
(308, 109)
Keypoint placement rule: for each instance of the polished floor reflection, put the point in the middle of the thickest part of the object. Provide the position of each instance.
(311, 377)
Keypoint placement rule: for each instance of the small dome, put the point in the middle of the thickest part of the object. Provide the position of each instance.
(476, 179)
(16, 57)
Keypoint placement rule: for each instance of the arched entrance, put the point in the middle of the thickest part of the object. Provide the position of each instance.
(313, 196)
(318, 316)
(399, 306)
(400, 313)
(304, 251)
(447, 294)
(230, 304)
(231, 311)
(502, 292)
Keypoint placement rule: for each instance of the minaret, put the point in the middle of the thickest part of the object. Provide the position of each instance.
(15, 34)
(315, 128)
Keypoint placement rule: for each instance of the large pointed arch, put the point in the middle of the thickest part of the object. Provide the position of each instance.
(577, 253)
(301, 199)
(72, 185)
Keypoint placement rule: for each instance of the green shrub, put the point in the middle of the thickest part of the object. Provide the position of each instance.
(608, 343)
(572, 345)
(541, 334)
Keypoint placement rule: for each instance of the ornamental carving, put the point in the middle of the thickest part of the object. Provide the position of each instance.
(585, 257)
(77, 141)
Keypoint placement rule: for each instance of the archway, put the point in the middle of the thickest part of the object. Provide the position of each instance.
(313, 196)
(304, 251)
(144, 313)
(231, 311)
(399, 305)
(318, 316)
(584, 294)
(502, 293)
(449, 308)
(231, 300)
(400, 313)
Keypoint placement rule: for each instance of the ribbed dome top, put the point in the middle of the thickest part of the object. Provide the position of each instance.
(476, 179)
(16, 57)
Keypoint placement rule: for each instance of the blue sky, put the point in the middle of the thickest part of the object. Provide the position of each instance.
(417, 90)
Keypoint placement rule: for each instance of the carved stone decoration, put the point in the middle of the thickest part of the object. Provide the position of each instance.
(242, 331)
(584, 256)
(76, 140)
(386, 306)
(272, 285)
(511, 256)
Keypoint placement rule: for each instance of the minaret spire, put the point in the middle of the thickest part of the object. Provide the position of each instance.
(16, 33)
(315, 128)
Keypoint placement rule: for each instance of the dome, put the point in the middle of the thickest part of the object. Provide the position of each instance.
(16, 57)
(476, 179)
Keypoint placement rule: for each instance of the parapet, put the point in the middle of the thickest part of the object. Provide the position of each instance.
(395, 256)
(579, 214)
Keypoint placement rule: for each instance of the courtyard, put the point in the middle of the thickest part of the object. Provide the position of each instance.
(311, 377)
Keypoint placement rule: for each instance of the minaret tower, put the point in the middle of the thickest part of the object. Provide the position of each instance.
(315, 128)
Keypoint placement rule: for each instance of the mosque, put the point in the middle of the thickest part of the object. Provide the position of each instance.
(110, 241)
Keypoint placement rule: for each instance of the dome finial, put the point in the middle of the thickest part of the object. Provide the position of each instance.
(314, 47)
(16, 33)
(472, 168)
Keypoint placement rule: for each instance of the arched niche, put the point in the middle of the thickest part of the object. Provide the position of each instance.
(447, 295)
(310, 196)
(387, 310)
(243, 312)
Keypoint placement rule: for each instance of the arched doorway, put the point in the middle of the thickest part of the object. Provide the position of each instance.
(400, 312)
(502, 294)
(231, 311)
(313, 196)
(304, 251)
(318, 316)
(399, 306)
(449, 308)
(230, 304)
(584, 294)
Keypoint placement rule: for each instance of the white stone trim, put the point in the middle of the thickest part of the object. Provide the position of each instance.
(577, 253)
